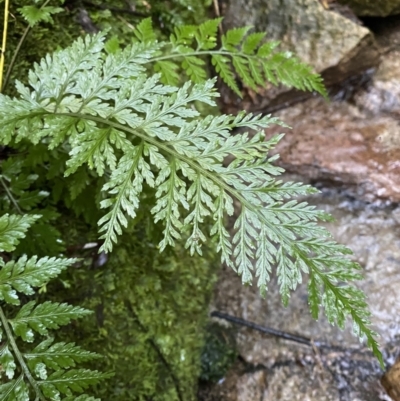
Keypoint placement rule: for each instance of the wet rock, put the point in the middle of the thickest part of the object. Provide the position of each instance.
(374, 8)
(340, 143)
(295, 371)
(251, 386)
(383, 93)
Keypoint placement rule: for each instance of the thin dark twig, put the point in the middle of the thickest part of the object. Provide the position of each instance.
(278, 333)
(266, 330)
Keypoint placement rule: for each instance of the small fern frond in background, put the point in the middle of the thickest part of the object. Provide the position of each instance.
(136, 132)
(242, 55)
(48, 370)
(12, 229)
(34, 14)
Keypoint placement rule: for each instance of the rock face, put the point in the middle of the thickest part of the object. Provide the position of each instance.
(355, 143)
(350, 147)
(383, 95)
(320, 37)
(283, 370)
(373, 8)
(339, 143)
(335, 45)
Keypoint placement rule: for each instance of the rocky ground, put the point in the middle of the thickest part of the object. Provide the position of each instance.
(350, 149)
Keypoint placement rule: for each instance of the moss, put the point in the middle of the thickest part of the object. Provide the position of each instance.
(149, 321)
(219, 353)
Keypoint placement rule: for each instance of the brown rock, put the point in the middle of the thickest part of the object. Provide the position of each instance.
(391, 381)
(339, 143)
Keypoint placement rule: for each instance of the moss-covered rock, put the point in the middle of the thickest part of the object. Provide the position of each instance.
(373, 8)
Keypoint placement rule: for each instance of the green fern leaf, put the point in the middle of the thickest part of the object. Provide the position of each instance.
(58, 355)
(194, 68)
(169, 72)
(144, 31)
(14, 390)
(24, 274)
(83, 397)
(7, 361)
(76, 380)
(206, 34)
(42, 317)
(252, 42)
(34, 15)
(234, 37)
(13, 228)
(222, 67)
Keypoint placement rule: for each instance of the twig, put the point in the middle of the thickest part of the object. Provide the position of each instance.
(267, 330)
(130, 26)
(281, 334)
(10, 196)
(86, 22)
(218, 14)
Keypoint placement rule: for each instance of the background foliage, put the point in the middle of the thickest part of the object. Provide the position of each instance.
(127, 327)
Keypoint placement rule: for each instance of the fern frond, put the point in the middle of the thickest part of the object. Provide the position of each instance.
(58, 355)
(7, 361)
(254, 61)
(24, 274)
(14, 390)
(144, 133)
(34, 14)
(13, 228)
(66, 382)
(41, 317)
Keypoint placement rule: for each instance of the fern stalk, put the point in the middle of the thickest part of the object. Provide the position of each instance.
(19, 356)
(10, 196)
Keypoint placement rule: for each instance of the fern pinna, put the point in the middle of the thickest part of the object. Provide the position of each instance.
(46, 371)
(109, 113)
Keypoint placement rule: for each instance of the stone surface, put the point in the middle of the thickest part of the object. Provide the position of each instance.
(383, 94)
(318, 36)
(338, 142)
(350, 148)
(391, 381)
(295, 372)
(333, 44)
(374, 8)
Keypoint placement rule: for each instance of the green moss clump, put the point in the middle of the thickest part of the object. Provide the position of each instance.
(149, 322)
(218, 354)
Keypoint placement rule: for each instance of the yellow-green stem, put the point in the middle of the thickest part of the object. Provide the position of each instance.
(4, 42)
